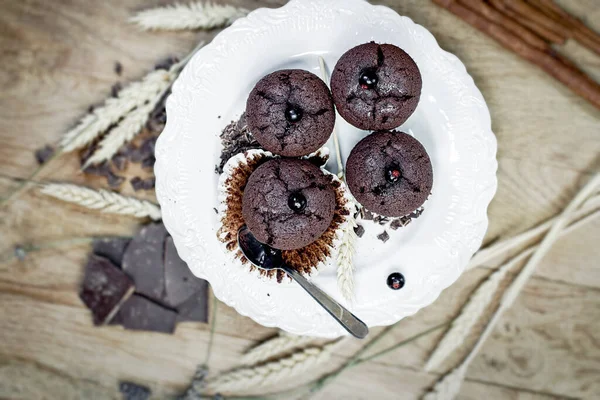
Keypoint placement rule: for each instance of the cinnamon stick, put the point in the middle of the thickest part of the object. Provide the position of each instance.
(542, 31)
(577, 29)
(492, 14)
(569, 75)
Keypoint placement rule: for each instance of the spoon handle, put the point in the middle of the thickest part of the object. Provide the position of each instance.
(349, 321)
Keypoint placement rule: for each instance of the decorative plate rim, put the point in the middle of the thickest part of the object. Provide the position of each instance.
(173, 180)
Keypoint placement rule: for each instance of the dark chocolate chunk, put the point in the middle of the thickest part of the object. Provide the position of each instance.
(142, 184)
(43, 154)
(148, 163)
(366, 214)
(236, 139)
(143, 261)
(384, 237)
(104, 289)
(119, 161)
(142, 314)
(118, 68)
(180, 283)
(195, 308)
(166, 63)
(399, 223)
(133, 391)
(111, 248)
(115, 89)
(114, 181)
(136, 183)
(359, 230)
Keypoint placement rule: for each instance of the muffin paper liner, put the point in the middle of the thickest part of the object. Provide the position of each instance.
(306, 260)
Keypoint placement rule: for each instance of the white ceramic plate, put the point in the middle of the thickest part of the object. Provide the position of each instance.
(452, 121)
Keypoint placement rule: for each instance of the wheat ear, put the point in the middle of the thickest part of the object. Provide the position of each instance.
(188, 16)
(274, 347)
(273, 372)
(482, 298)
(107, 202)
(345, 266)
(489, 253)
(449, 385)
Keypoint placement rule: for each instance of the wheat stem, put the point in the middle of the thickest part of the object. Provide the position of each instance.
(273, 347)
(345, 265)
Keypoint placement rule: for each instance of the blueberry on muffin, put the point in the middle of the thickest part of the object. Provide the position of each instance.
(376, 86)
(288, 203)
(290, 112)
(389, 173)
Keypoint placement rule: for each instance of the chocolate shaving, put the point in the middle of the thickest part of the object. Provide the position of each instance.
(142, 314)
(104, 289)
(143, 261)
(359, 230)
(133, 391)
(43, 154)
(235, 139)
(112, 249)
(384, 237)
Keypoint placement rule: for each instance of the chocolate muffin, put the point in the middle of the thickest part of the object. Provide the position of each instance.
(376, 86)
(389, 173)
(288, 203)
(290, 112)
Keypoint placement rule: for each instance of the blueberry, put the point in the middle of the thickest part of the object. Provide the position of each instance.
(368, 79)
(395, 281)
(297, 202)
(293, 114)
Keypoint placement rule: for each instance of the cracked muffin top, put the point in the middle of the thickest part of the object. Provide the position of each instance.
(288, 203)
(376, 86)
(290, 112)
(389, 173)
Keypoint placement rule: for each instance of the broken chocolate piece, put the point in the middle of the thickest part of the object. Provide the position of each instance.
(111, 248)
(133, 391)
(359, 230)
(399, 223)
(384, 237)
(43, 154)
(367, 215)
(195, 308)
(235, 138)
(118, 68)
(180, 283)
(142, 314)
(119, 161)
(115, 89)
(104, 289)
(143, 261)
(114, 181)
(149, 162)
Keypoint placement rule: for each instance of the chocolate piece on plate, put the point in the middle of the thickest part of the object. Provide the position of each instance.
(104, 289)
(384, 237)
(111, 248)
(180, 283)
(133, 391)
(43, 154)
(195, 308)
(143, 261)
(142, 314)
(359, 230)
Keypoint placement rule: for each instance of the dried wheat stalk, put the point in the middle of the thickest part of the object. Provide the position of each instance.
(345, 266)
(273, 372)
(489, 253)
(274, 347)
(107, 202)
(482, 298)
(449, 385)
(191, 16)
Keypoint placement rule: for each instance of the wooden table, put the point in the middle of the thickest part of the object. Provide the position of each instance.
(58, 58)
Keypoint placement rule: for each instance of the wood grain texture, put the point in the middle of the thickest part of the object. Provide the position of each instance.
(58, 58)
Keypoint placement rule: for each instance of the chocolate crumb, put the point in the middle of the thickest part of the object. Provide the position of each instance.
(115, 89)
(102, 169)
(114, 181)
(384, 237)
(149, 162)
(236, 139)
(166, 63)
(136, 183)
(367, 215)
(91, 109)
(118, 68)
(359, 230)
(399, 223)
(43, 154)
(216, 211)
(133, 391)
(119, 161)
(142, 184)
